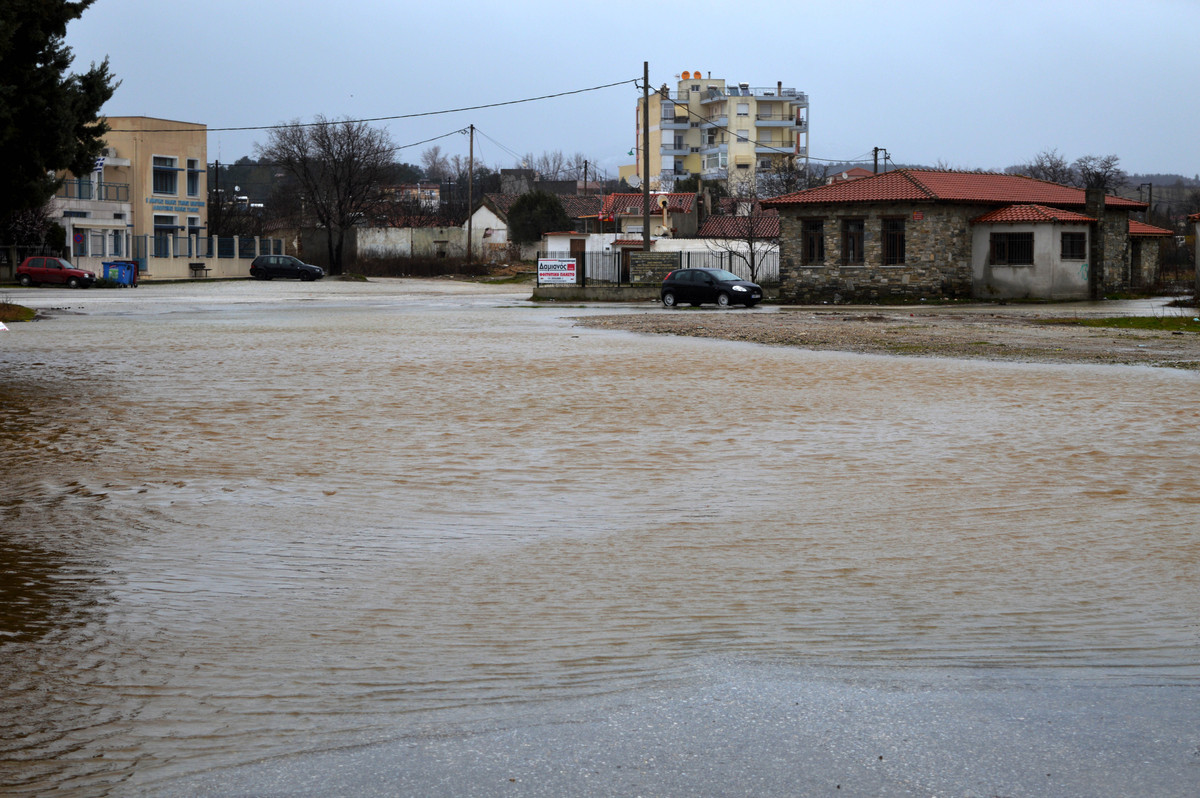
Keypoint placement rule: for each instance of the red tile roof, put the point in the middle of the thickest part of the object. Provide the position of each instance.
(1036, 214)
(854, 173)
(1137, 228)
(629, 242)
(1194, 217)
(916, 185)
(631, 204)
(581, 206)
(764, 226)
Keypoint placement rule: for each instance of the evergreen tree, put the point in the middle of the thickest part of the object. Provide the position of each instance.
(534, 214)
(48, 117)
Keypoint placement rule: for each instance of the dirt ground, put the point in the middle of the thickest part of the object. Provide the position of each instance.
(987, 334)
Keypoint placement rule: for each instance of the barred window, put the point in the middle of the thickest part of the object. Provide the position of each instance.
(893, 241)
(1074, 246)
(1012, 249)
(812, 232)
(852, 241)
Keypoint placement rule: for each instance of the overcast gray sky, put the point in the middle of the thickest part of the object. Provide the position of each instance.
(964, 84)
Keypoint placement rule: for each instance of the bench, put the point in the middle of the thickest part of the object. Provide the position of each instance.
(198, 270)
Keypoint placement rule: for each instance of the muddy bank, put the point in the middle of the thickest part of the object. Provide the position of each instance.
(977, 335)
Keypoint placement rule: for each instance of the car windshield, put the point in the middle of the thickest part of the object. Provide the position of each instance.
(722, 275)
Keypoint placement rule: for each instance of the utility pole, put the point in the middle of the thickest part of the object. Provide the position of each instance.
(646, 156)
(875, 150)
(470, 187)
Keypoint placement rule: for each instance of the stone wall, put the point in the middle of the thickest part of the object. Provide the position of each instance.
(937, 254)
(1115, 229)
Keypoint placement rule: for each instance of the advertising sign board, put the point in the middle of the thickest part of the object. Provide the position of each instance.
(556, 270)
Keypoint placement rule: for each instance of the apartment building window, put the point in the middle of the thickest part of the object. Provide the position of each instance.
(743, 135)
(812, 234)
(893, 241)
(166, 176)
(852, 241)
(668, 110)
(193, 177)
(1011, 249)
(743, 109)
(117, 238)
(1074, 246)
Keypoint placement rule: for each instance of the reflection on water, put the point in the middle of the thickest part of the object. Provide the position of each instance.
(245, 530)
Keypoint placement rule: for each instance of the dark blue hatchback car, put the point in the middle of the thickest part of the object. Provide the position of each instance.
(698, 286)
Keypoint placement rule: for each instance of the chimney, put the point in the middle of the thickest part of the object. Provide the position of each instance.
(1094, 207)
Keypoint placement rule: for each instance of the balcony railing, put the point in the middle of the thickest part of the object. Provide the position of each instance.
(87, 190)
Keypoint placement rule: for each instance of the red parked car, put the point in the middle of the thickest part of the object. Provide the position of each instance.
(43, 269)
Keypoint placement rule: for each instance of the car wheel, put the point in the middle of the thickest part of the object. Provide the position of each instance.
(73, 282)
(723, 299)
(305, 277)
(25, 280)
(668, 300)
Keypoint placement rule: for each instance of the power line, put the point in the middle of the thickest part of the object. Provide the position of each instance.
(391, 118)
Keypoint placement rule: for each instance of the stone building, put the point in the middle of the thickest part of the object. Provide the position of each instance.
(911, 234)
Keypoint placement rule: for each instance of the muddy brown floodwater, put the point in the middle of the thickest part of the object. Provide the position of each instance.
(240, 520)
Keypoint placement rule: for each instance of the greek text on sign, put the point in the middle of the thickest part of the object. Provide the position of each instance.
(556, 270)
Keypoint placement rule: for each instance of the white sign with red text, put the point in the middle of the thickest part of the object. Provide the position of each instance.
(556, 270)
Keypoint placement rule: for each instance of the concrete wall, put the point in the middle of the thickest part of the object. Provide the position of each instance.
(1049, 277)
(383, 243)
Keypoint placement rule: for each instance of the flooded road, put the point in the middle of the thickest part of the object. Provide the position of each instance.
(240, 520)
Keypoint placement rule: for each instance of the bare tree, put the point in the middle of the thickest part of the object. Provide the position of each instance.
(435, 164)
(782, 177)
(1049, 165)
(548, 165)
(1100, 172)
(340, 167)
(749, 235)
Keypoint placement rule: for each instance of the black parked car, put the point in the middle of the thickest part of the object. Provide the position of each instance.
(697, 286)
(264, 267)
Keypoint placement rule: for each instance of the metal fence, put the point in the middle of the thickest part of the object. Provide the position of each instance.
(181, 246)
(612, 268)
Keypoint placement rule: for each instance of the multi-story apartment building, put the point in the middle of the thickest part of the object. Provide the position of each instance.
(147, 194)
(731, 133)
(147, 201)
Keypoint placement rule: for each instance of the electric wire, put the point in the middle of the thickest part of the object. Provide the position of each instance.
(394, 117)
